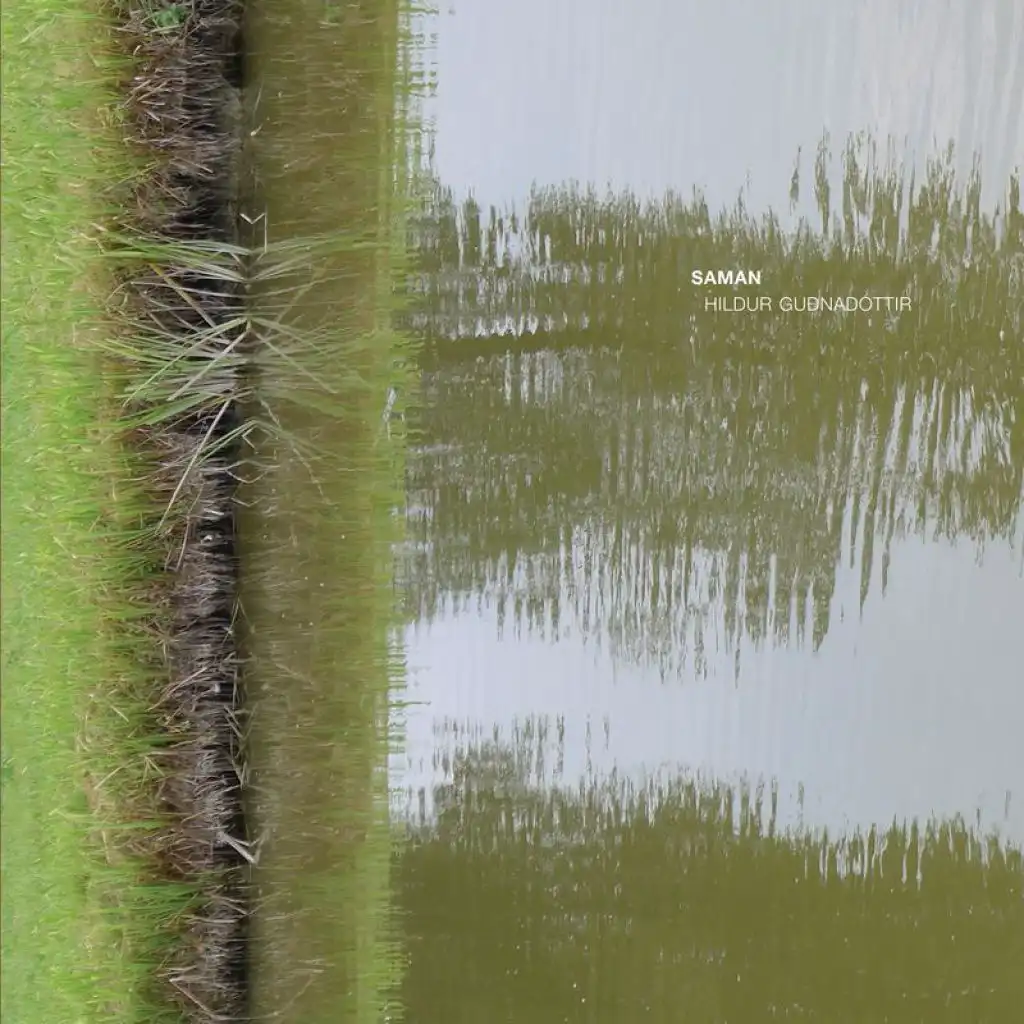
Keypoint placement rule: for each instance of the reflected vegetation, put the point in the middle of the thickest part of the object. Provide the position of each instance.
(598, 446)
(683, 900)
(600, 458)
(585, 453)
(323, 476)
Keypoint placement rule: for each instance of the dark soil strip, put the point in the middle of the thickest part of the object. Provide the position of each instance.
(183, 103)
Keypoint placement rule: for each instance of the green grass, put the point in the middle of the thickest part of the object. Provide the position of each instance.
(80, 929)
(87, 924)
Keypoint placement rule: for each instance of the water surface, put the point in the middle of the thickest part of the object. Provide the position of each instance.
(707, 621)
(317, 528)
(712, 649)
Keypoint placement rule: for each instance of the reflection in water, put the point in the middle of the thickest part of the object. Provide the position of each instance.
(317, 533)
(778, 551)
(656, 95)
(684, 901)
(711, 619)
(649, 456)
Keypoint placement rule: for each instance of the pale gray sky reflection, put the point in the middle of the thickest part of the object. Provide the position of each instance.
(908, 712)
(654, 95)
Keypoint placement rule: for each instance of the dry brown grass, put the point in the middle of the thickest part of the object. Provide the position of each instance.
(177, 357)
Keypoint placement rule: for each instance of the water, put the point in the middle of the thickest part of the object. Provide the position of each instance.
(688, 683)
(317, 528)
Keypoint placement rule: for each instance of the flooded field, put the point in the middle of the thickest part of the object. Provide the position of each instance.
(615, 652)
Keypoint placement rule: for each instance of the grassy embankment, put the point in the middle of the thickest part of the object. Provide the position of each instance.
(116, 902)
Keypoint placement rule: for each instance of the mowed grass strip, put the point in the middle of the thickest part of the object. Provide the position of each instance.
(83, 925)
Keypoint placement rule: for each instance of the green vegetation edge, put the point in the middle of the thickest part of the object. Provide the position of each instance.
(93, 922)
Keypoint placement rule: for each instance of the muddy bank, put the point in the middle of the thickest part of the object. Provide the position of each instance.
(181, 299)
